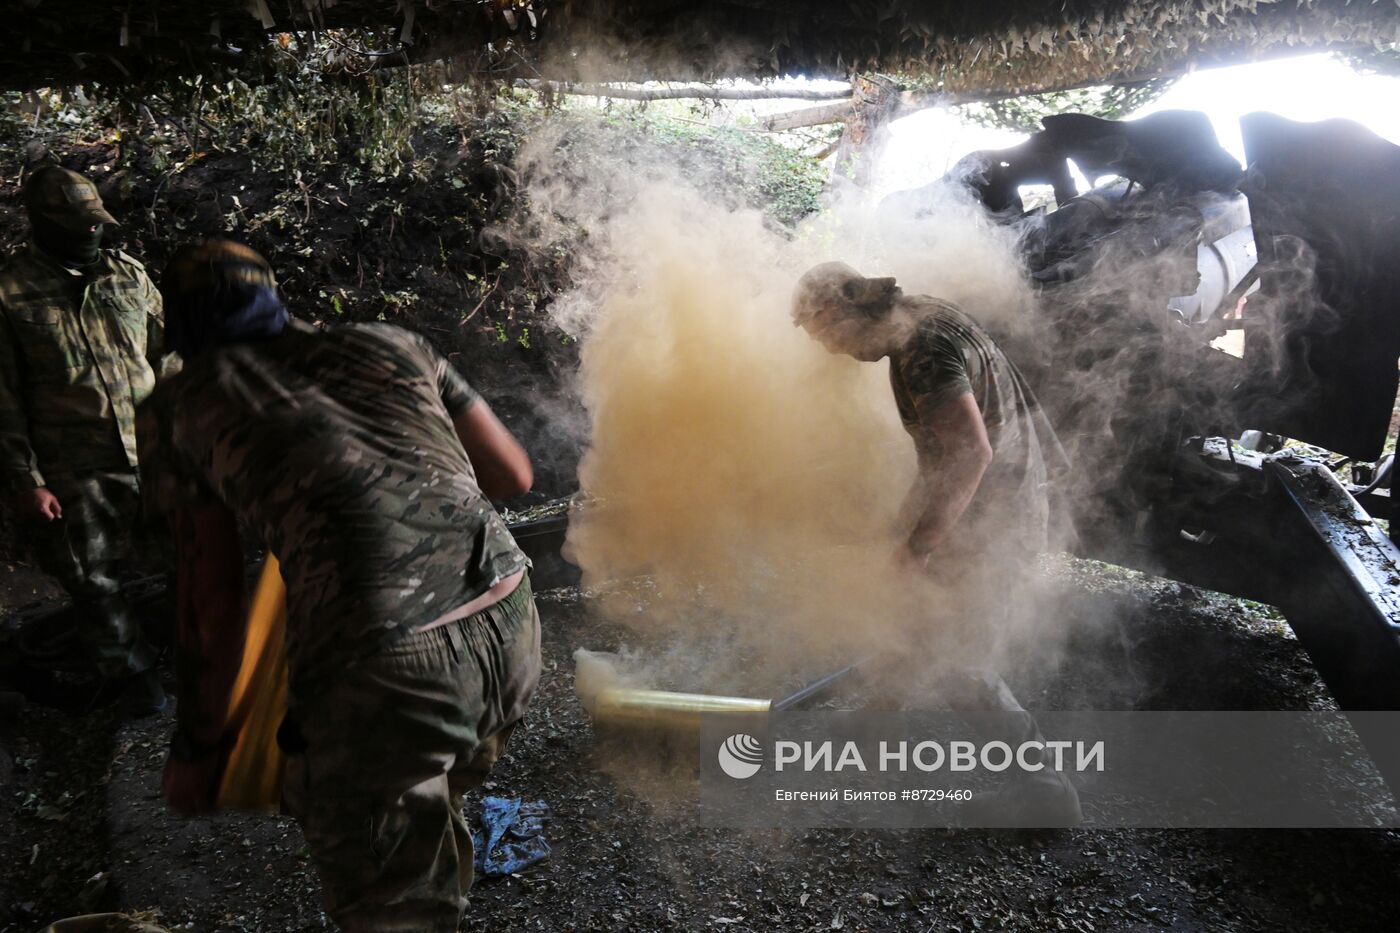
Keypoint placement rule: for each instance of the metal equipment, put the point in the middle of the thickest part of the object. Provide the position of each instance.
(1135, 281)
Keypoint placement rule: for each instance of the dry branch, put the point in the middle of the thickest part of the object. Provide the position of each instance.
(808, 116)
(682, 92)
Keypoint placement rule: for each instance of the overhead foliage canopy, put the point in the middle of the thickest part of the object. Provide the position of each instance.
(991, 49)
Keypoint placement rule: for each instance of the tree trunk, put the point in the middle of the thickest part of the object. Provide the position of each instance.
(874, 104)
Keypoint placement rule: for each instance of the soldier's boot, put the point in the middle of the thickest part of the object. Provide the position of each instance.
(50, 643)
(1041, 800)
(1028, 799)
(145, 696)
(135, 695)
(124, 661)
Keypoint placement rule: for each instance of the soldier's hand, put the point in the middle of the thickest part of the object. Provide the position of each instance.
(190, 785)
(908, 561)
(38, 505)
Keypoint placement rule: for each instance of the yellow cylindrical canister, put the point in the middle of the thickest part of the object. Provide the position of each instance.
(252, 775)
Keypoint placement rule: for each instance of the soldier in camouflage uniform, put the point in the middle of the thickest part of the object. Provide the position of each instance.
(362, 459)
(80, 344)
(981, 507)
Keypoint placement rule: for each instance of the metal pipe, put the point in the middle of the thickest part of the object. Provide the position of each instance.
(816, 688)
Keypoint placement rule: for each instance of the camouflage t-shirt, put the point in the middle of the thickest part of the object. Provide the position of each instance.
(337, 448)
(950, 355)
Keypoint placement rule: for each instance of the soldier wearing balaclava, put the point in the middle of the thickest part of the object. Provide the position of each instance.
(81, 338)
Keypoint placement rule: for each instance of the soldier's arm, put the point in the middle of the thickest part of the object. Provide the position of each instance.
(212, 618)
(502, 466)
(956, 450)
(960, 456)
(211, 629)
(18, 464)
(209, 573)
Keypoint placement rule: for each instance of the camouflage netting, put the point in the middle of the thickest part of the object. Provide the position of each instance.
(964, 49)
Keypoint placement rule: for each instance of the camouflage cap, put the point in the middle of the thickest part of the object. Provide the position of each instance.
(218, 292)
(207, 264)
(65, 197)
(835, 286)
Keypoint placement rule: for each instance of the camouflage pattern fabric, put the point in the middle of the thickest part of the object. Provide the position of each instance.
(79, 352)
(337, 448)
(90, 550)
(389, 751)
(950, 355)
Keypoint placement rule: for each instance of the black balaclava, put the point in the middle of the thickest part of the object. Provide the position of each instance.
(66, 214)
(72, 247)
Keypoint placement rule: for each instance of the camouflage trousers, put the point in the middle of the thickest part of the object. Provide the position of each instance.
(89, 551)
(993, 598)
(389, 751)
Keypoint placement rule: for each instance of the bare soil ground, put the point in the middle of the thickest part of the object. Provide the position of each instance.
(82, 826)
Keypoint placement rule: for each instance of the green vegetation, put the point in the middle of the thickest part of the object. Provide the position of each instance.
(377, 194)
(1109, 102)
(770, 176)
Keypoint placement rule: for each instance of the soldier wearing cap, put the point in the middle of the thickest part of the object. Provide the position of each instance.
(80, 344)
(982, 506)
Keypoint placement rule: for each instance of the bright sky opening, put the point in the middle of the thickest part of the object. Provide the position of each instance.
(924, 145)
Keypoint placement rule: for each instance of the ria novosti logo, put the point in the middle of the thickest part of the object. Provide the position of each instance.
(740, 756)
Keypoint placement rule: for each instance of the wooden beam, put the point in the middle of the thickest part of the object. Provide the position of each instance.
(682, 91)
(808, 116)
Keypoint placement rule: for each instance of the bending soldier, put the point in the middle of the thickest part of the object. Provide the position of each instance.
(362, 460)
(981, 507)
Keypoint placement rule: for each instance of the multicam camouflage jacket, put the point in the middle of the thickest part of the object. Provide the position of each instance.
(79, 350)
